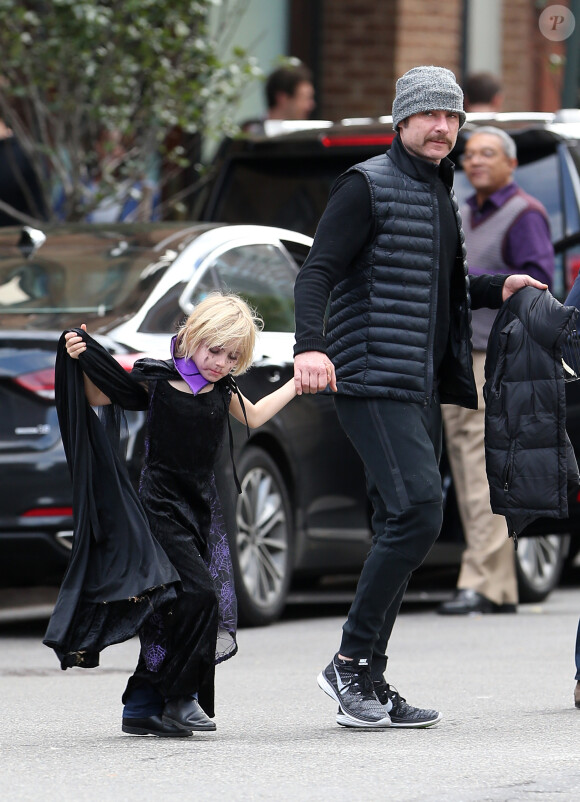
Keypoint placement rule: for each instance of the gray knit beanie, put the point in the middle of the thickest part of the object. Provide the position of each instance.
(427, 89)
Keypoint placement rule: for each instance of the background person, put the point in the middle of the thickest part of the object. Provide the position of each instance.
(290, 93)
(483, 92)
(289, 96)
(388, 252)
(506, 231)
(21, 200)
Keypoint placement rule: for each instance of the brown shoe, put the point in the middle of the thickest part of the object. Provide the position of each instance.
(577, 695)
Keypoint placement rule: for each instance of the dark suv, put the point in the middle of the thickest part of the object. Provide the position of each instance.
(284, 180)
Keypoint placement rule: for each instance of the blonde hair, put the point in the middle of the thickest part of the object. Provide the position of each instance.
(221, 319)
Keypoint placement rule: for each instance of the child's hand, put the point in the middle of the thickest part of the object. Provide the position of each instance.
(75, 344)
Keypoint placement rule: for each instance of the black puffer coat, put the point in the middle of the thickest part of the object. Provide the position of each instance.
(531, 466)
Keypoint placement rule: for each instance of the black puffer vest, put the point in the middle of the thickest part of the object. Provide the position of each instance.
(381, 325)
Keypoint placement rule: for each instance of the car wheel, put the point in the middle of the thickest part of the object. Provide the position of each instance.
(262, 554)
(539, 564)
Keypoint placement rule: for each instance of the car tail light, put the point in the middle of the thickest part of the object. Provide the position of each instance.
(355, 140)
(572, 269)
(40, 382)
(48, 512)
(127, 360)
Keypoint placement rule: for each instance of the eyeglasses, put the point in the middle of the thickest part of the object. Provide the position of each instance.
(485, 153)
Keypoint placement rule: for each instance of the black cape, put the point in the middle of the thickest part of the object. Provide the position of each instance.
(118, 573)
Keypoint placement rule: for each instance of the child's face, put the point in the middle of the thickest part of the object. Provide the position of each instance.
(216, 362)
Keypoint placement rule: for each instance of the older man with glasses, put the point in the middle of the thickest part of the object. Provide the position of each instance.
(506, 231)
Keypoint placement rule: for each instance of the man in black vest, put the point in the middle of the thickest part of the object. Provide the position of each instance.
(389, 253)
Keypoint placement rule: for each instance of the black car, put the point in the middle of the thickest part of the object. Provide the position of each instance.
(304, 505)
(303, 512)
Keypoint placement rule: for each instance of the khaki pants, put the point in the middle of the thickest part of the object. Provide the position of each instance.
(488, 563)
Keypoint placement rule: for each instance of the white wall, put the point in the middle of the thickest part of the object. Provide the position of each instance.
(263, 32)
(484, 36)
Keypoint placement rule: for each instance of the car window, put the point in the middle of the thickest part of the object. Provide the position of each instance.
(264, 277)
(50, 284)
(166, 315)
(289, 193)
(542, 180)
(297, 250)
(570, 188)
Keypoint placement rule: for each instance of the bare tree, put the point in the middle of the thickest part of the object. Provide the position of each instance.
(93, 90)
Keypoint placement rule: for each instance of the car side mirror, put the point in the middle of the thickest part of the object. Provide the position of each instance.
(31, 239)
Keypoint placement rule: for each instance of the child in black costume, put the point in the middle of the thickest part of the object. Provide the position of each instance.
(157, 565)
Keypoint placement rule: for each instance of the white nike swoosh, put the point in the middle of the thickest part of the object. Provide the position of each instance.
(339, 682)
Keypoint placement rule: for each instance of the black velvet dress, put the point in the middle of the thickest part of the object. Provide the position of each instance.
(181, 642)
(156, 564)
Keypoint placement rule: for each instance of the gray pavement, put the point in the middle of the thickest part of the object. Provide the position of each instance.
(503, 683)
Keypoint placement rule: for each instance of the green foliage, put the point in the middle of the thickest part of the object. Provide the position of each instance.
(73, 69)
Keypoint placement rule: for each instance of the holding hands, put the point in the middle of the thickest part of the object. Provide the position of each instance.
(313, 372)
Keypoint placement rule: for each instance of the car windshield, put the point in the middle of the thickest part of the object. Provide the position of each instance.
(285, 192)
(80, 282)
(89, 272)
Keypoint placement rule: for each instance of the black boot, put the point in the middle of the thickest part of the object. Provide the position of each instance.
(186, 713)
(153, 725)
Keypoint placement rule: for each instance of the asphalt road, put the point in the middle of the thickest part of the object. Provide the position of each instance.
(503, 683)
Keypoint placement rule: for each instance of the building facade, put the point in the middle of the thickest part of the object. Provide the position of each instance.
(357, 48)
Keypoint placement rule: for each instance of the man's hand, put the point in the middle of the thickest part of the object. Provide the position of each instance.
(516, 282)
(313, 371)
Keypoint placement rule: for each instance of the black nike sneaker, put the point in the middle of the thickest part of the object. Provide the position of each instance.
(401, 713)
(350, 684)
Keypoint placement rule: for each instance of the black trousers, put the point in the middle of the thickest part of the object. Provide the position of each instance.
(400, 446)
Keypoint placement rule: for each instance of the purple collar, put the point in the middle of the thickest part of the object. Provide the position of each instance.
(495, 201)
(188, 371)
